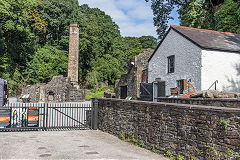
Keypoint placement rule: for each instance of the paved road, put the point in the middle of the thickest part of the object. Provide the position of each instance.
(79, 144)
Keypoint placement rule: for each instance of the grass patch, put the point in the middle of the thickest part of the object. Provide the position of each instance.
(96, 93)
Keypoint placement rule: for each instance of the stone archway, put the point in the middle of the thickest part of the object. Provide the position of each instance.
(51, 96)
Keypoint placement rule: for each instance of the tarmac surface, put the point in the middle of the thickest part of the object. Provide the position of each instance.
(77, 144)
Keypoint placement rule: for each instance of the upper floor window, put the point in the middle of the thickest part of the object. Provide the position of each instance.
(171, 61)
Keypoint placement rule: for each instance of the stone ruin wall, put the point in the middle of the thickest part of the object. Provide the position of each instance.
(59, 89)
(137, 73)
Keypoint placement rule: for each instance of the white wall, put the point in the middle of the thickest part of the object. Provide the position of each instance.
(187, 61)
(221, 66)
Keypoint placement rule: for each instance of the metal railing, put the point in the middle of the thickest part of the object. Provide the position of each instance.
(48, 116)
(214, 84)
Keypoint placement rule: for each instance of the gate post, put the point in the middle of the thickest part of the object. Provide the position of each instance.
(44, 116)
(94, 116)
(46, 120)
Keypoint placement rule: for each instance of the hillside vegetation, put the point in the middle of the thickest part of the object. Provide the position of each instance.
(34, 39)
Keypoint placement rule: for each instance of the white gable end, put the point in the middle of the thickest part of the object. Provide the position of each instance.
(221, 66)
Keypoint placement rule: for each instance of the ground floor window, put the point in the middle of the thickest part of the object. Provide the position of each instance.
(180, 86)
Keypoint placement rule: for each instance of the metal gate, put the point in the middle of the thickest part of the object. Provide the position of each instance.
(158, 90)
(146, 91)
(48, 116)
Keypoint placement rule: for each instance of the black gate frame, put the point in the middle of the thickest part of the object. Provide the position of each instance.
(55, 116)
(146, 91)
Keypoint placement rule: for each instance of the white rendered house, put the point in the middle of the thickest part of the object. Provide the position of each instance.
(199, 56)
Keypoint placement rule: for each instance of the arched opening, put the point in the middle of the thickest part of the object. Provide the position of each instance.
(51, 96)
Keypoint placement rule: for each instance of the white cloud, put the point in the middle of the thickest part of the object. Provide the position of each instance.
(145, 28)
(108, 6)
(126, 4)
(142, 11)
(134, 17)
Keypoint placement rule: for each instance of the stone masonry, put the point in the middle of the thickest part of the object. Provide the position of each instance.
(193, 131)
(73, 53)
(59, 89)
(220, 102)
(137, 73)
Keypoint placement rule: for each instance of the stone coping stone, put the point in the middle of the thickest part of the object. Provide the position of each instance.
(201, 99)
(175, 105)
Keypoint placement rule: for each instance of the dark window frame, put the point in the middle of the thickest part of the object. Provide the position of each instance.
(171, 64)
(180, 85)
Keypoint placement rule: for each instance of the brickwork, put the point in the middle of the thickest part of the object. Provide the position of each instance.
(73, 53)
(180, 129)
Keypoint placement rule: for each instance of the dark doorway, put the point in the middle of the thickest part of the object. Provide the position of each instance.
(161, 89)
(158, 90)
(123, 92)
(51, 96)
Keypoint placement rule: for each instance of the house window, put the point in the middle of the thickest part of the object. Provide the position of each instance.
(171, 61)
(180, 85)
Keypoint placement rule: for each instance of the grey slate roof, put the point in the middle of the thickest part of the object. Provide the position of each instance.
(209, 39)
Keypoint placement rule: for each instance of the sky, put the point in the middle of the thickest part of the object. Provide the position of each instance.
(134, 17)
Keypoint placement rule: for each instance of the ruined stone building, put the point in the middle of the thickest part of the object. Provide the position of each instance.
(129, 84)
(60, 89)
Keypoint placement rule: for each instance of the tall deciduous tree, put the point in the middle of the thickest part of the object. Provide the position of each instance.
(34, 38)
(148, 42)
(100, 36)
(197, 14)
(194, 13)
(59, 14)
(228, 17)
(46, 63)
(18, 22)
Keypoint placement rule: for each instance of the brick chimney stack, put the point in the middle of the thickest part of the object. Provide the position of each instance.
(73, 53)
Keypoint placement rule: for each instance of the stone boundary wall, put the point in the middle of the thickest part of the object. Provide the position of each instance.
(220, 102)
(179, 129)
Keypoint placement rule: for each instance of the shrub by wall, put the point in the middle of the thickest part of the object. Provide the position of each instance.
(173, 129)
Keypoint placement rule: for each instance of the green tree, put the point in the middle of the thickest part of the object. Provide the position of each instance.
(46, 63)
(135, 47)
(100, 36)
(34, 39)
(58, 14)
(161, 11)
(195, 13)
(148, 42)
(108, 68)
(228, 17)
(18, 22)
